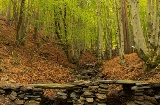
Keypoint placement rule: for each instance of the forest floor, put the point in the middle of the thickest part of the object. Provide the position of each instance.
(47, 63)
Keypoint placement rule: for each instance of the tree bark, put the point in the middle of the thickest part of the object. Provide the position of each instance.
(20, 25)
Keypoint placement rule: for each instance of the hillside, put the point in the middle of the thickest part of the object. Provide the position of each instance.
(48, 63)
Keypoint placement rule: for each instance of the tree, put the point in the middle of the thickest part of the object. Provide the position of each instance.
(20, 31)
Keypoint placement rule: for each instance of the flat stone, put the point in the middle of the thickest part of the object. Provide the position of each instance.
(2, 91)
(32, 103)
(21, 96)
(157, 97)
(140, 88)
(139, 98)
(87, 93)
(150, 99)
(148, 103)
(7, 87)
(90, 100)
(131, 103)
(101, 100)
(101, 104)
(73, 94)
(100, 90)
(14, 93)
(37, 89)
(118, 81)
(139, 102)
(19, 102)
(101, 96)
(12, 97)
(138, 94)
(104, 86)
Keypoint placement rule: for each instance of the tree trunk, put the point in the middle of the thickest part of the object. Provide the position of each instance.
(139, 39)
(8, 15)
(124, 15)
(100, 38)
(20, 26)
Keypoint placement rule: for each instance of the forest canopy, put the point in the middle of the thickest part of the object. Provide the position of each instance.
(98, 26)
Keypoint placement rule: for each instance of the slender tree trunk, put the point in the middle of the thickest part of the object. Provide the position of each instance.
(108, 33)
(35, 35)
(20, 25)
(100, 38)
(124, 15)
(8, 15)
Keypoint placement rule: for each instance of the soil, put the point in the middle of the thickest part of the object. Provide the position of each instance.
(46, 62)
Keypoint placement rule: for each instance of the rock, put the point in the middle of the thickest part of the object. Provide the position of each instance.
(73, 95)
(138, 93)
(2, 91)
(37, 89)
(19, 102)
(100, 90)
(149, 92)
(139, 98)
(101, 96)
(148, 103)
(150, 99)
(139, 103)
(21, 96)
(7, 87)
(157, 97)
(131, 103)
(87, 94)
(32, 103)
(11, 97)
(104, 86)
(90, 100)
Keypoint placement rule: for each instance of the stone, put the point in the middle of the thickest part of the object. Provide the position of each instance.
(93, 88)
(87, 103)
(12, 97)
(101, 104)
(37, 89)
(101, 96)
(7, 87)
(38, 99)
(19, 102)
(157, 97)
(100, 90)
(14, 93)
(139, 103)
(138, 93)
(150, 99)
(90, 100)
(73, 95)
(2, 91)
(149, 92)
(21, 96)
(139, 98)
(104, 86)
(87, 94)
(23, 89)
(148, 103)
(101, 100)
(31, 96)
(131, 103)
(32, 103)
